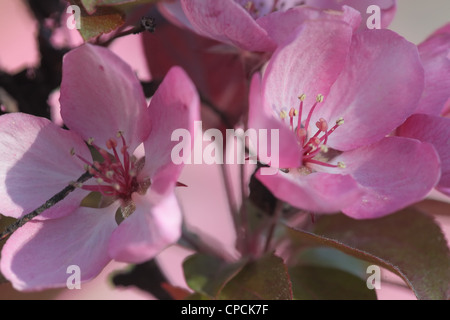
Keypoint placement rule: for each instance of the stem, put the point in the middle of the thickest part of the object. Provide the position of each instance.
(231, 200)
(48, 204)
(277, 214)
(244, 214)
(146, 24)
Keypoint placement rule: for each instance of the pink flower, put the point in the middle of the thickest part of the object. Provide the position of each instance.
(427, 125)
(103, 104)
(354, 90)
(261, 25)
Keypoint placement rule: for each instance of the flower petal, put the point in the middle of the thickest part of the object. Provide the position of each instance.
(378, 89)
(387, 12)
(308, 65)
(434, 130)
(37, 256)
(394, 173)
(260, 117)
(435, 56)
(150, 229)
(228, 22)
(280, 25)
(318, 192)
(175, 105)
(36, 164)
(101, 95)
(173, 11)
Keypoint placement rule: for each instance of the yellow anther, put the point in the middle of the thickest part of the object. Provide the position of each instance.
(283, 114)
(72, 151)
(302, 97)
(119, 134)
(293, 113)
(340, 121)
(324, 148)
(341, 165)
(109, 174)
(100, 180)
(319, 98)
(90, 141)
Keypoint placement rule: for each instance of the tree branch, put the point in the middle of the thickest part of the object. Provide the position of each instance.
(48, 204)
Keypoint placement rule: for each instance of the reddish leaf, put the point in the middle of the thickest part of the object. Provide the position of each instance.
(264, 279)
(409, 243)
(103, 20)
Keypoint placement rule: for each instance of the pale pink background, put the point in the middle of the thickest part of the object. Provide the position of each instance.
(204, 200)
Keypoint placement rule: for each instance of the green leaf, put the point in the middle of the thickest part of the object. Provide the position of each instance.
(207, 275)
(103, 20)
(408, 243)
(91, 5)
(327, 257)
(264, 279)
(320, 283)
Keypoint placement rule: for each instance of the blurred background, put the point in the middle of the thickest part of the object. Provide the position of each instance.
(204, 201)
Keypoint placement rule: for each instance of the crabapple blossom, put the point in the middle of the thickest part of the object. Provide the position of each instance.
(334, 105)
(103, 105)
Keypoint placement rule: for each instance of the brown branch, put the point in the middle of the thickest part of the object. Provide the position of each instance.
(48, 204)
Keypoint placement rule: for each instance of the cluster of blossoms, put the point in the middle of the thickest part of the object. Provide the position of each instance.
(363, 120)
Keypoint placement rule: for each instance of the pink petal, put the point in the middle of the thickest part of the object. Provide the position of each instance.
(388, 8)
(308, 65)
(378, 89)
(435, 56)
(434, 130)
(446, 111)
(280, 25)
(227, 21)
(173, 11)
(100, 96)
(37, 256)
(394, 173)
(150, 229)
(317, 192)
(261, 117)
(36, 164)
(175, 105)
(179, 47)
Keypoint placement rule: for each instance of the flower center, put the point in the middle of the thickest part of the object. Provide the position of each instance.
(116, 176)
(312, 146)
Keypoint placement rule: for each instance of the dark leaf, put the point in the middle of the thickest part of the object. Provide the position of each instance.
(320, 283)
(408, 243)
(264, 279)
(207, 275)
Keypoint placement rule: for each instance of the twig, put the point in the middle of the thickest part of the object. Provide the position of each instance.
(48, 204)
(146, 24)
